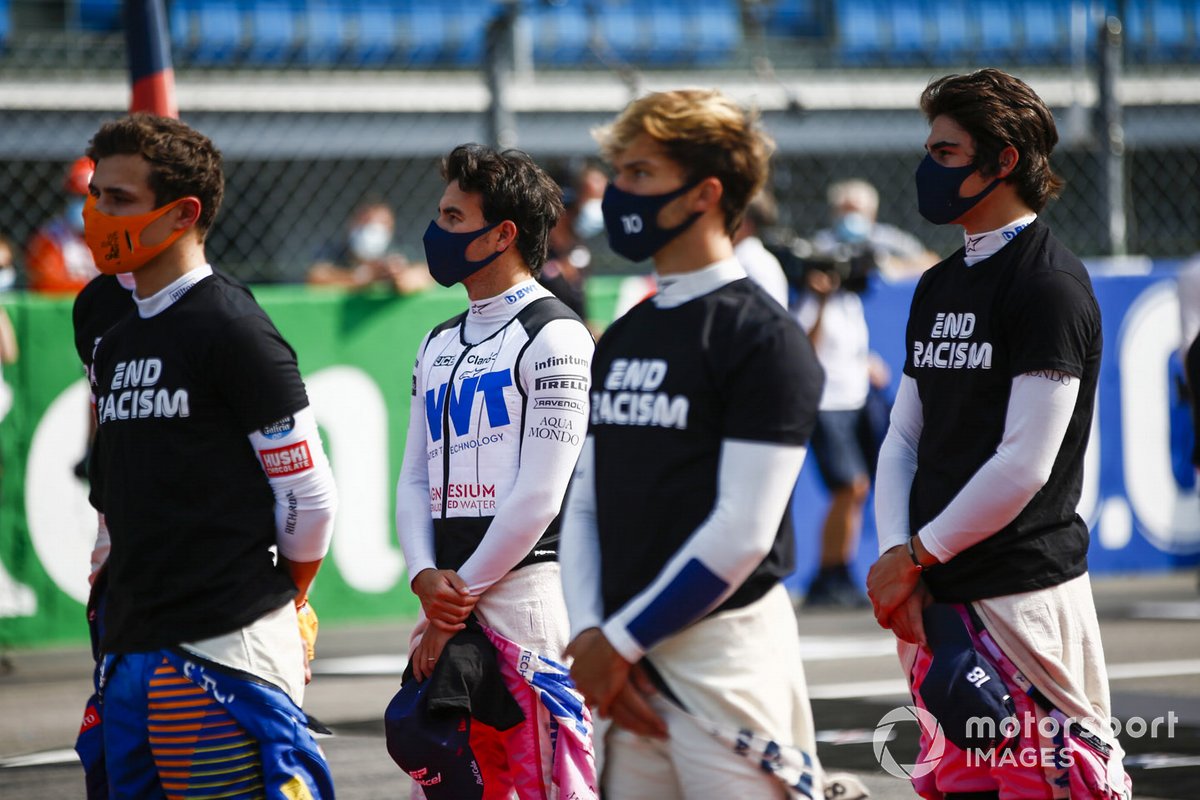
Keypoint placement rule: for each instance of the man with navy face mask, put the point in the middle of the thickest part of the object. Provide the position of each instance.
(981, 470)
(498, 417)
(675, 536)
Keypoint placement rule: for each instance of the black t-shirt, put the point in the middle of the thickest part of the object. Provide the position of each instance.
(188, 506)
(1192, 372)
(971, 330)
(97, 308)
(668, 386)
(101, 303)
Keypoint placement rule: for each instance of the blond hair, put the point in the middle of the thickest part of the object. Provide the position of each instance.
(707, 134)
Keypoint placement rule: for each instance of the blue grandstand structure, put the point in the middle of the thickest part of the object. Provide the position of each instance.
(449, 34)
(360, 97)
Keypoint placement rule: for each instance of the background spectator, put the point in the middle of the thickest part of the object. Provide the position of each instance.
(565, 270)
(8, 264)
(762, 267)
(853, 415)
(367, 258)
(57, 259)
(8, 337)
(853, 207)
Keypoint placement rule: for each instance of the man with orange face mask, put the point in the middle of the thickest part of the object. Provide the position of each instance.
(206, 456)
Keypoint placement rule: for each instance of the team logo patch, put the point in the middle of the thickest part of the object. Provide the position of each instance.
(286, 460)
(560, 404)
(280, 429)
(518, 294)
(578, 383)
(562, 361)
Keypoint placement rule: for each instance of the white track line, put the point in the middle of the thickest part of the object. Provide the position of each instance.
(897, 686)
(41, 759)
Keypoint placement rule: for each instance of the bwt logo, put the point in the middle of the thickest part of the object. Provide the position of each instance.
(632, 223)
(1010, 235)
(518, 294)
(490, 384)
(929, 727)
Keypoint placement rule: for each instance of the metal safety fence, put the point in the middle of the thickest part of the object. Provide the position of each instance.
(306, 143)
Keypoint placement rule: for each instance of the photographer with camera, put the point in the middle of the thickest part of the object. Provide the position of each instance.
(837, 265)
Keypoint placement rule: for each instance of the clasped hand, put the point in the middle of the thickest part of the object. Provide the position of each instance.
(898, 595)
(612, 686)
(445, 598)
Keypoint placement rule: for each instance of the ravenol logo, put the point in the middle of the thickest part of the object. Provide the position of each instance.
(929, 727)
(490, 384)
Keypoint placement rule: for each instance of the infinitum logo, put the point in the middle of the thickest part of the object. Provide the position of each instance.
(929, 727)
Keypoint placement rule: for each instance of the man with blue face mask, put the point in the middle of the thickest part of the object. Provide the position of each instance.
(57, 258)
(498, 417)
(676, 533)
(981, 471)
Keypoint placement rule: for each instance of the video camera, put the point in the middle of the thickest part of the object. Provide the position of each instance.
(853, 263)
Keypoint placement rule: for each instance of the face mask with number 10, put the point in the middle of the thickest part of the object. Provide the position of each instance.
(631, 221)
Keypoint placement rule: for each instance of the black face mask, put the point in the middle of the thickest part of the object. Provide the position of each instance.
(631, 221)
(446, 253)
(937, 191)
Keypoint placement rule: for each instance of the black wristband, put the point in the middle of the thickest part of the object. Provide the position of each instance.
(913, 554)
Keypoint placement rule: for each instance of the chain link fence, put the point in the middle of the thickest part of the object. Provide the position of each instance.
(296, 173)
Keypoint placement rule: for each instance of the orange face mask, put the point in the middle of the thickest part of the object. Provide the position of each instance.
(116, 242)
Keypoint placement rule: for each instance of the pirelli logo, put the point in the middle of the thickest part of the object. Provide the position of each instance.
(577, 383)
(286, 460)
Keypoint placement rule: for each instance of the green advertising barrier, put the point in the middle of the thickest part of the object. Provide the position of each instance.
(356, 354)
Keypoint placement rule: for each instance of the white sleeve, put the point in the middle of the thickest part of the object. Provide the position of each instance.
(579, 547)
(101, 548)
(897, 466)
(546, 461)
(414, 525)
(754, 486)
(305, 495)
(1039, 411)
(808, 311)
(1189, 305)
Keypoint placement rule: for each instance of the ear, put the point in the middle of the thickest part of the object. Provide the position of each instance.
(187, 213)
(1009, 158)
(506, 234)
(710, 194)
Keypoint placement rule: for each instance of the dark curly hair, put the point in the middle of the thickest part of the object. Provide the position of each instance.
(512, 188)
(183, 161)
(999, 110)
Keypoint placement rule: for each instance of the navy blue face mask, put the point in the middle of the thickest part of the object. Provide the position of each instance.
(937, 191)
(631, 221)
(446, 253)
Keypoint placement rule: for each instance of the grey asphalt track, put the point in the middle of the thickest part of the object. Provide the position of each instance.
(1151, 627)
